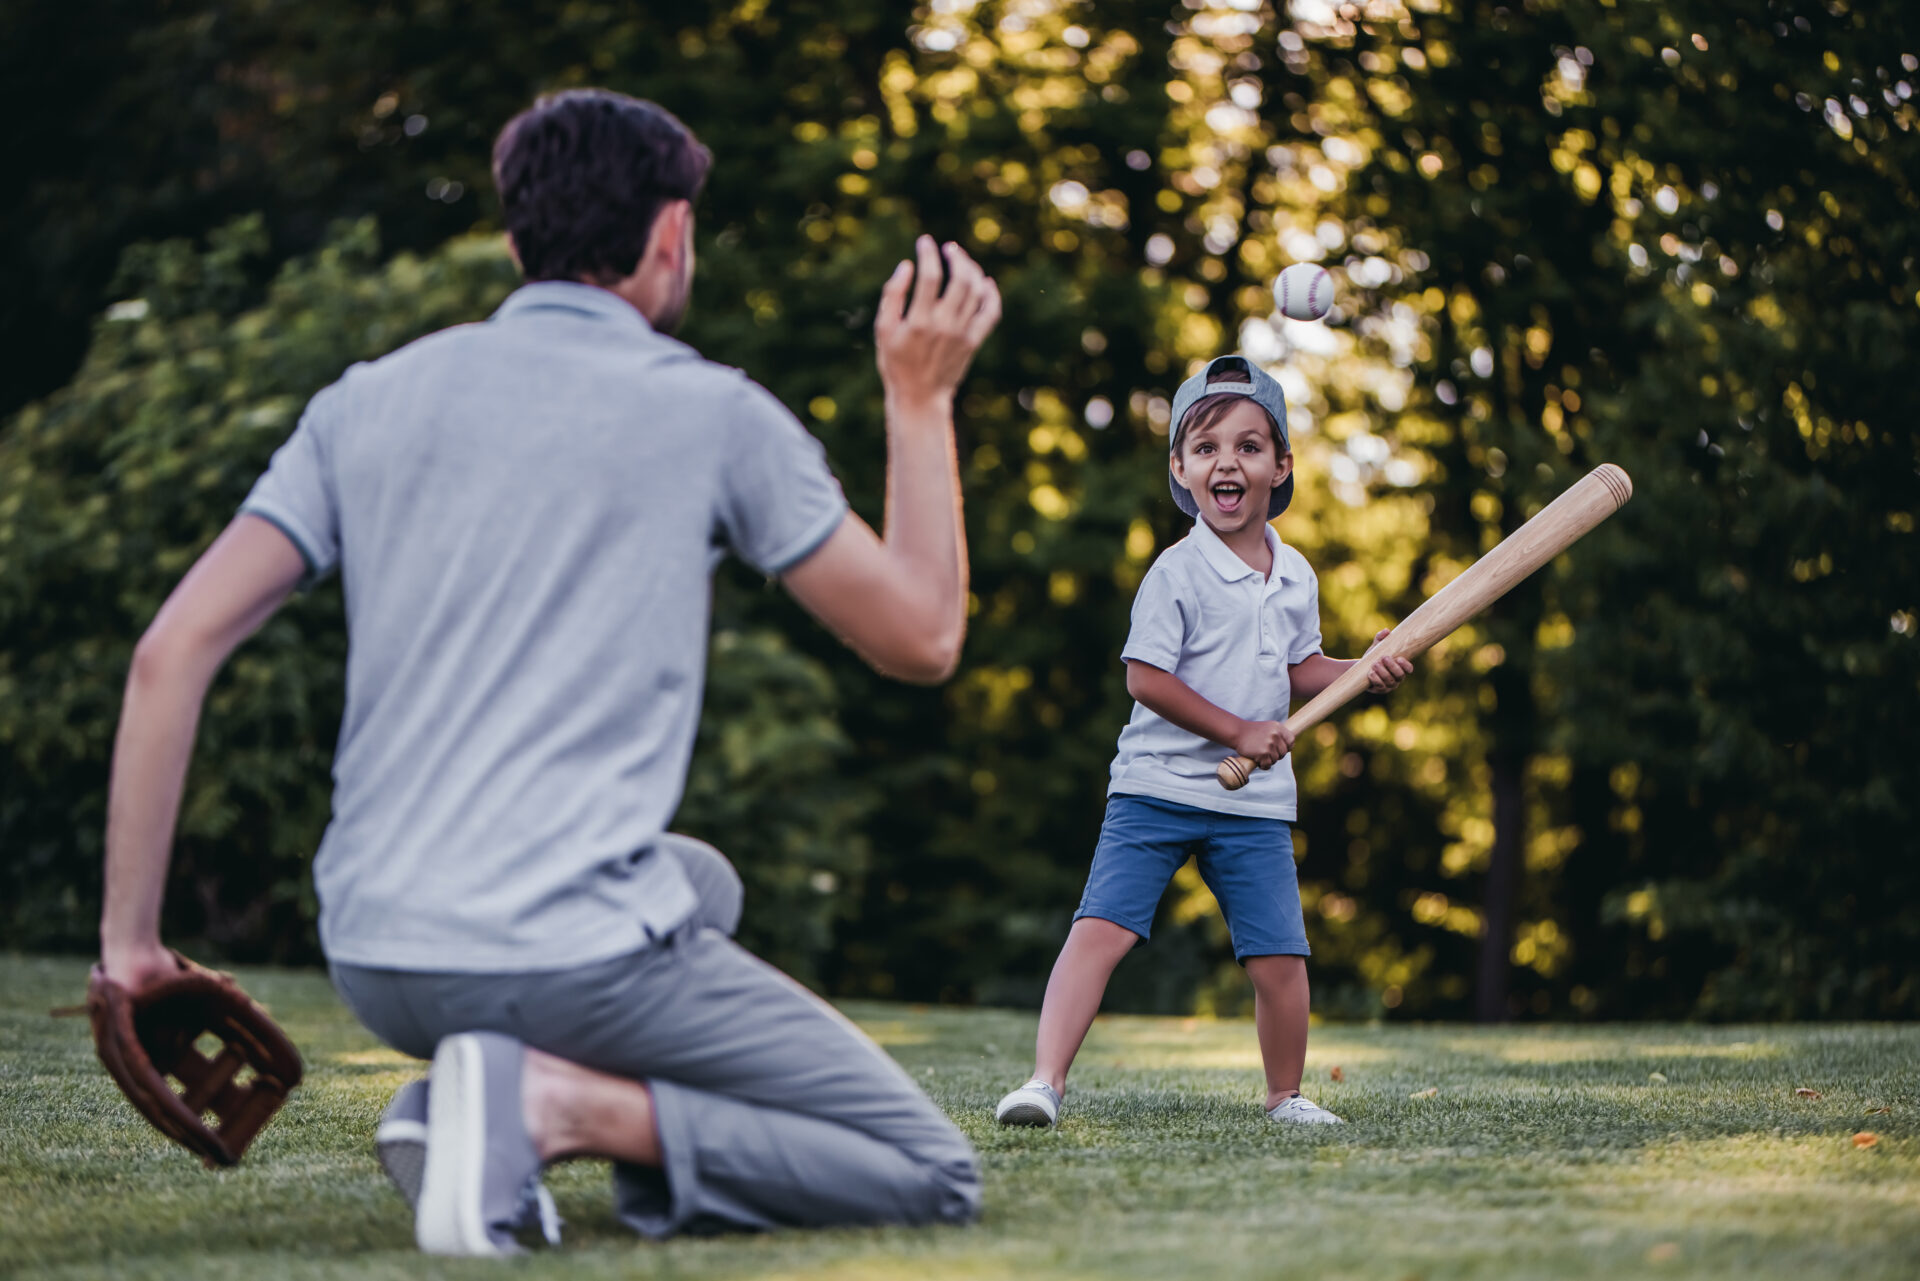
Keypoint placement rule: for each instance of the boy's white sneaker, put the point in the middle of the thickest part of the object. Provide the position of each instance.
(1301, 1110)
(1034, 1103)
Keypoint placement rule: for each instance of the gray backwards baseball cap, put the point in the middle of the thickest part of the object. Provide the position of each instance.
(1261, 389)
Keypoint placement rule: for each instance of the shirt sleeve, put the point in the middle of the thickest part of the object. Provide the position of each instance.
(296, 494)
(1306, 633)
(1161, 619)
(778, 501)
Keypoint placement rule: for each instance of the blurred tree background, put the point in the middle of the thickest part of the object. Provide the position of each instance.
(1674, 774)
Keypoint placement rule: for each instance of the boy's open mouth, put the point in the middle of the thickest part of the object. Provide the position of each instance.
(1227, 495)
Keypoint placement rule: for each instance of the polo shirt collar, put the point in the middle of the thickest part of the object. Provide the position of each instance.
(1224, 560)
(572, 296)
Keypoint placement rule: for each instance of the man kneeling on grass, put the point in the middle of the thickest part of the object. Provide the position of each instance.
(525, 514)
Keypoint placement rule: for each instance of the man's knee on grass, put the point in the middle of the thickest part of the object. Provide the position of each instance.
(951, 1185)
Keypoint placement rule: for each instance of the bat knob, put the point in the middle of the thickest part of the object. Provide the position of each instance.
(1234, 772)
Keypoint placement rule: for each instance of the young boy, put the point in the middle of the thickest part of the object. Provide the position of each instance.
(1226, 631)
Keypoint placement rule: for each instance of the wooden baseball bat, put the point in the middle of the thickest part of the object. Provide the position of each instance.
(1596, 496)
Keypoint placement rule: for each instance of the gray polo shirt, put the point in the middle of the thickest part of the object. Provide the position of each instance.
(1230, 633)
(526, 514)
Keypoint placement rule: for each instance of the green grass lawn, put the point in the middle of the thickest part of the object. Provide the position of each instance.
(1538, 1152)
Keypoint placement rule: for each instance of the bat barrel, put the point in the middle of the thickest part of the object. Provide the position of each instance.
(1588, 501)
(1617, 482)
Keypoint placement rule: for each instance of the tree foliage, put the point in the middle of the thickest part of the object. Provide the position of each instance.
(1681, 240)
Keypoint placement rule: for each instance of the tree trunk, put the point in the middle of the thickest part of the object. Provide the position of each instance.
(1597, 866)
(1503, 885)
(1512, 731)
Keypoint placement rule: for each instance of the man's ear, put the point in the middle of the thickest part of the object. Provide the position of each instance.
(670, 237)
(1178, 467)
(1283, 469)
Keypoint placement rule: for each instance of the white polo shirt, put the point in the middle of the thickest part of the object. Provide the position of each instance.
(1208, 617)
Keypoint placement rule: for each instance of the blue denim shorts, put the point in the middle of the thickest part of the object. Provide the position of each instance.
(1246, 862)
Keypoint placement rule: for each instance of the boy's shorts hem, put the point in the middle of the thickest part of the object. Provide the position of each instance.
(1283, 947)
(1143, 928)
(1243, 955)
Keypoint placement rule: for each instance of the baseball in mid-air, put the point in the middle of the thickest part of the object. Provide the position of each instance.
(1303, 291)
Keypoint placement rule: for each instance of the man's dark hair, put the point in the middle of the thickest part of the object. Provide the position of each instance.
(1209, 410)
(583, 174)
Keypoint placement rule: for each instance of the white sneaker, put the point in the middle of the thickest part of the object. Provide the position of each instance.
(1034, 1103)
(1300, 1110)
(480, 1182)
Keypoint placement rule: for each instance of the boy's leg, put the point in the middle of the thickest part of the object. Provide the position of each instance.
(1142, 844)
(1094, 946)
(1280, 1006)
(1248, 864)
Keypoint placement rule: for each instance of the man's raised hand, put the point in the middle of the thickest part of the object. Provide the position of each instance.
(925, 343)
(901, 600)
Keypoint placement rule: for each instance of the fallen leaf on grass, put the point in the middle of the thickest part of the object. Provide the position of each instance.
(1427, 1093)
(1877, 1111)
(1804, 1093)
(1337, 1075)
(1656, 1078)
(1663, 1251)
(1865, 1139)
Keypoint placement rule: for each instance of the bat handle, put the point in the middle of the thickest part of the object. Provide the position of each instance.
(1234, 772)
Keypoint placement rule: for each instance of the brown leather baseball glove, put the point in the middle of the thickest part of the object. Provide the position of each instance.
(150, 1042)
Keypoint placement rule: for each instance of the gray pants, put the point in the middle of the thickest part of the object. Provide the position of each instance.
(773, 1109)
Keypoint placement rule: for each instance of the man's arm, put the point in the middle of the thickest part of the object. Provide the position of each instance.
(1172, 699)
(230, 591)
(900, 601)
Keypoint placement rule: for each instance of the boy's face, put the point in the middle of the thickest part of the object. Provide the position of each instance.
(1231, 468)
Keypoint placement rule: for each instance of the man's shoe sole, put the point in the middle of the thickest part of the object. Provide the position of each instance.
(401, 1147)
(448, 1219)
